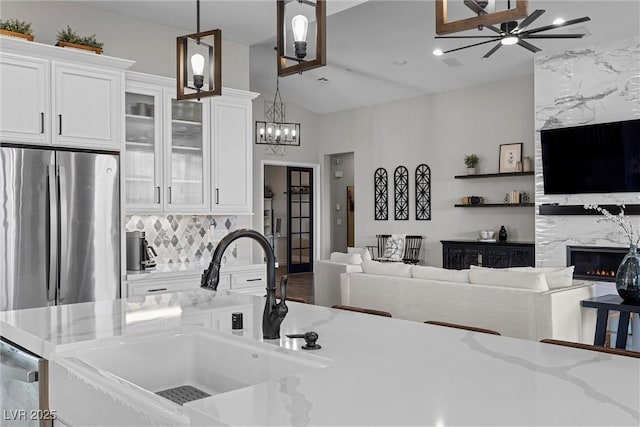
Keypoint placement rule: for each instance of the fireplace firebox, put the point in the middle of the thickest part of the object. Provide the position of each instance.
(597, 263)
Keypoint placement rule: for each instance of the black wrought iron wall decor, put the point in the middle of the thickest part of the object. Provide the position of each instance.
(381, 197)
(401, 193)
(423, 192)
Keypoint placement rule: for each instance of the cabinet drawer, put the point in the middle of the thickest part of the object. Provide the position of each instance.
(149, 287)
(248, 280)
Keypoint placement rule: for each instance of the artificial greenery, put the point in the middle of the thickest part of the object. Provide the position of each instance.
(70, 36)
(471, 160)
(17, 26)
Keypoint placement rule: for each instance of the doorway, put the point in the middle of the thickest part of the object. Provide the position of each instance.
(300, 219)
(342, 201)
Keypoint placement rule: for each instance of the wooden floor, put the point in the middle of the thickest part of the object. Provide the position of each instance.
(299, 285)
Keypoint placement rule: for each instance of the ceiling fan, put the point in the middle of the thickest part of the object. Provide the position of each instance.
(512, 32)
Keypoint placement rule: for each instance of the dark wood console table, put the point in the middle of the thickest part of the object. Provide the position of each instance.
(461, 254)
(607, 303)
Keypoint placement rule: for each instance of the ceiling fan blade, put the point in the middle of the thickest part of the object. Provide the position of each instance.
(471, 4)
(551, 27)
(528, 20)
(492, 51)
(553, 36)
(471, 45)
(466, 37)
(528, 46)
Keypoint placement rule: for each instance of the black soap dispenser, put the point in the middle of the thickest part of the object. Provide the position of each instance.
(502, 234)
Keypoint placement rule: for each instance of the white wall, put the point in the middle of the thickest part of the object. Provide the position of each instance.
(439, 130)
(151, 45)
(338, 191)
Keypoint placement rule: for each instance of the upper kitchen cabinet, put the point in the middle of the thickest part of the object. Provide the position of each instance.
(25, 103)
(143, 145)
(232, 152)
(187, 168)
(86, 106)
(56, 96)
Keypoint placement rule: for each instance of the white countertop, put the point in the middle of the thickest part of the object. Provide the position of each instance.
(382, 371)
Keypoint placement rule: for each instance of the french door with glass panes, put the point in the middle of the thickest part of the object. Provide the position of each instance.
(300, 219)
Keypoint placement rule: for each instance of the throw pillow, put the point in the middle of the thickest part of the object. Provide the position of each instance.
(511, 279)
(443, 274)
(394, 248)
(386, 268)
(346, 258)
(556, 277)
(364, 252)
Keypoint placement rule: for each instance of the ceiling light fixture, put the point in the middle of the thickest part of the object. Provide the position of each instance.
(509, 40)
(293, 57)
(558, 21)
(275, 131)
(438, 52)
(203, 52)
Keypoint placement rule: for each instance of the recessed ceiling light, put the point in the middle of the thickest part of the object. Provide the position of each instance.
(399, 62)
(438, 52)
(558, 21)
(509, 40)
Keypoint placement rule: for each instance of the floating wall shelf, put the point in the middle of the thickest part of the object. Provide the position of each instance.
(494, 175)
(495, 205)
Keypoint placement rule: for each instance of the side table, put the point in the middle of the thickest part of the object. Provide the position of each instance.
(606, 303)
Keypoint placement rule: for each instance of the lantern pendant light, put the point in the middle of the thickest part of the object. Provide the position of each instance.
(293, 57)
(199, 63)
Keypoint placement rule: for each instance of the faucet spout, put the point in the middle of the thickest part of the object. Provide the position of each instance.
(274, 313)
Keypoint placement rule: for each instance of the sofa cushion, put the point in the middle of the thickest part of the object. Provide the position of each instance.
(346, 258)
(364, 252)
(394, 248)
(511, 279)
(443, 274)
(556, 277)
(386, 268)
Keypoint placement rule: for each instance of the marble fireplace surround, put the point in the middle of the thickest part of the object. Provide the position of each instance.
(594, 84)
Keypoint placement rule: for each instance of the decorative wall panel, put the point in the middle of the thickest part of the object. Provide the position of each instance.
(185, 238)
(381, 194)
(401, 193)
(594, 84)
(423, 192)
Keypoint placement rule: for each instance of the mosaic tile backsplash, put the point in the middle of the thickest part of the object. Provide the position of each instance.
(185, 238)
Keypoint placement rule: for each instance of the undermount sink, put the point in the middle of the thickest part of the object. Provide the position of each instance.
(127, 374)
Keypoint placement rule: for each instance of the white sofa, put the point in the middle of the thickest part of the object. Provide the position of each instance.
(515, 305)
(326, 280)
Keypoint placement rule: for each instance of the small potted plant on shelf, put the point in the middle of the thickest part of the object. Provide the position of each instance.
(16, 29)
(69, 38)
(471, 160)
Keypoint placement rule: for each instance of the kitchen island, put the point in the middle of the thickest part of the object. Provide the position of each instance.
(370, 370)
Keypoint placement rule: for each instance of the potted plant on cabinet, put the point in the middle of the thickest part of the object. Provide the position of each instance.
(69, 38)
(16, 28)
(471, 160)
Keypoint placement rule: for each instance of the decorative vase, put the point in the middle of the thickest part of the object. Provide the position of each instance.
(628, 276)
(471, 171)
(502, 234)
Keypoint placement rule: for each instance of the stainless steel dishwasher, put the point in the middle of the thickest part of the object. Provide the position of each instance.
(24, 394)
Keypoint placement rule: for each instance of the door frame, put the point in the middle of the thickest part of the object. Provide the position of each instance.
(316, 198)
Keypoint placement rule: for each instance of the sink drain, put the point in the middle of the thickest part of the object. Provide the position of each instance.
(183, 394)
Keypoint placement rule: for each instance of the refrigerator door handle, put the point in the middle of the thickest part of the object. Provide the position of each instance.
(64, 232)
(52, 283)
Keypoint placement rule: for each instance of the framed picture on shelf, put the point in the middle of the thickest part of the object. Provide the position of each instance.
(510, 158)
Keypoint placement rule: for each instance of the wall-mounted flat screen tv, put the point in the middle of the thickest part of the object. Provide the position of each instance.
(600, 158)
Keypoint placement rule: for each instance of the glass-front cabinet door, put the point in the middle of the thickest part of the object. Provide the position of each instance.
(143, 159)
(186, 176)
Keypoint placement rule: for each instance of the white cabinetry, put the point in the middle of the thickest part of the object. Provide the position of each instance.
(232, 153)
(25, 103)
(167, 148)
(87, 110)
(186, 156)
(58, 96)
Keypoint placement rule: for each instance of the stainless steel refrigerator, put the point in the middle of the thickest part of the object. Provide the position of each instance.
(59, 227)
